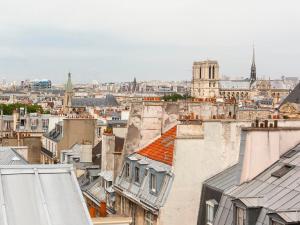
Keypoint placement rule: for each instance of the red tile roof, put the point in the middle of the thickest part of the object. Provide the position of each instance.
(161, 149)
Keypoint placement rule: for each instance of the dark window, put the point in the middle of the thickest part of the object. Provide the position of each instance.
(200, 72)
(282, 171)
(137, 174)
(289, 154)
(209, 72)
(127, 167)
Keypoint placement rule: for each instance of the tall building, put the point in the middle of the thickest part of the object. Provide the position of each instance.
(205, 79)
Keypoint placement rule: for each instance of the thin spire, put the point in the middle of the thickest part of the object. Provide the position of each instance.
(253, 56)
(69, 86)
(253, 68)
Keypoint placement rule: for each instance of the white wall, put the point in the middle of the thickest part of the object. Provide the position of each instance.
(196, 160)
(264, 147)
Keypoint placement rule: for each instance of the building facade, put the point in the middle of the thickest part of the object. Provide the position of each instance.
(207, 83)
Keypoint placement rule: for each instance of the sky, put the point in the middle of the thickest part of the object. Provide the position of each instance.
(117, 40)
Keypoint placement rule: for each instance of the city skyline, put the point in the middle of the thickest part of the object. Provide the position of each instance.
(113, 41)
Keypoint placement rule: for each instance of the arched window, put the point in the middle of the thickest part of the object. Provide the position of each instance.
(213, 72)
(209, 72)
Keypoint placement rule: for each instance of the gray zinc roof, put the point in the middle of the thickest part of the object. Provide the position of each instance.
(273, 193)
(141, 193)
(41, 195)
(226, 179)
(234, 84)
(108, 101)
(294, 96)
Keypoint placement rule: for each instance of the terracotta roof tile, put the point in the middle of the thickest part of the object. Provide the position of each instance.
(162, 148)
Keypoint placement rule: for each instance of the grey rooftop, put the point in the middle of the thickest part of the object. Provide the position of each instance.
(41, 195)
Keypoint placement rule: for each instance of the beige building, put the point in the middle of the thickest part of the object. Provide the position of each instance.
(205, 79)
(72, 130)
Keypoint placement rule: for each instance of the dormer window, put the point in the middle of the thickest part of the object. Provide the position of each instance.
(153, 183)
(240, 216)
(137, 174)
(210, 211)
(127, 167)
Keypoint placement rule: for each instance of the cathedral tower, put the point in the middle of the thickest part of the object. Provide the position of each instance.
(205, 82)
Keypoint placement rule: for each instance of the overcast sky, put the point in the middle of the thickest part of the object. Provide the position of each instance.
(115, 40)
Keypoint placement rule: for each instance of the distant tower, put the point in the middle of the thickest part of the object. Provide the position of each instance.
(205, 79)
(253, 68)
(134, 85)
(68, 95)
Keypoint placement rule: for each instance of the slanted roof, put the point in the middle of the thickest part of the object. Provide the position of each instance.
(9, 156)
(95, 191)
(41, 194)
(293, 97)
(161, 149)
(226, 179)
(107, 101)
(290, 216)
(141, 193)
(274, 194)
(234, 84)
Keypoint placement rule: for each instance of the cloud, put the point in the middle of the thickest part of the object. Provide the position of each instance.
(116, 39)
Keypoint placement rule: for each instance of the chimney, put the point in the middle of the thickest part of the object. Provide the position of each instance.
(103, 212)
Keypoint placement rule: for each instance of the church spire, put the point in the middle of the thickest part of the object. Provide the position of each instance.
(253, 68)
(69, 86)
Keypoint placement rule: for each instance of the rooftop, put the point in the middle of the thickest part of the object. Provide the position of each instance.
(9, 156)
(161, 149)
(276, 190)
(38, 194)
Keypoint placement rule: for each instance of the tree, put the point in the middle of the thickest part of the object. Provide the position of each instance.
(31, 108)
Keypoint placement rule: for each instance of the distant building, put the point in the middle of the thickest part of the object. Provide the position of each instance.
(290, 106)
(40, 84)
(72, 104)
(207, 83)
(72, 130)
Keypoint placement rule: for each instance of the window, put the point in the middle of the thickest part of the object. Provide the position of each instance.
(240, 216)
(45, 124)
(282, 171)
(209, 212)
(152, 182)
(149, 218)
(200, 73)
(123, 206)
(137, 175)
(209, 72)
(127, 170)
